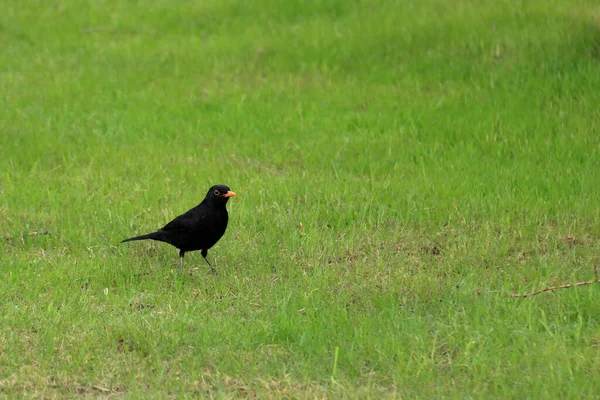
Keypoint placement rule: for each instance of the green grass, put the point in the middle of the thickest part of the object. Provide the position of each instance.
(401, 167)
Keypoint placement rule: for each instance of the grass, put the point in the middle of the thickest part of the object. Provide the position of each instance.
(401, 169)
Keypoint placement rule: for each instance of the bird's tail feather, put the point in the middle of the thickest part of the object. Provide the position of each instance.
(153, 236)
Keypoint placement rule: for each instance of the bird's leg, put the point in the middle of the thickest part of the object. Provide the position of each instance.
(181, 254)
(204, 253)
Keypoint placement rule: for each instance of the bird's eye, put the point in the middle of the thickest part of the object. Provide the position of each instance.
(217, 193)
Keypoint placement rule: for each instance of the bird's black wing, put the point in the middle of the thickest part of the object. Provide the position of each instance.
(186, 222)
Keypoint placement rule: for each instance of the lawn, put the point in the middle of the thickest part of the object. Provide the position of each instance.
(402, 168)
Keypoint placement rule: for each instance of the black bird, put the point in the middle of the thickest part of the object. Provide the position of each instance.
(199, 228)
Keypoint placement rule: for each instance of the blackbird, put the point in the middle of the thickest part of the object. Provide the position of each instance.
(199, 228)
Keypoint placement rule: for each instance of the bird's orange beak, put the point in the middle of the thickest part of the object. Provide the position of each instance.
(229, 194)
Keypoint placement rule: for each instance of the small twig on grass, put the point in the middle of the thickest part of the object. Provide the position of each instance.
(106, 30)
(568, 285)
(101, 389)
(99, 30)
(12, 328)
(35, 233)
(40, 233)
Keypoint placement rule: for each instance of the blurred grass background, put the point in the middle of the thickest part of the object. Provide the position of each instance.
(401, 168)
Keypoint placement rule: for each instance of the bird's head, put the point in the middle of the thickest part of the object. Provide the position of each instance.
(219, 194)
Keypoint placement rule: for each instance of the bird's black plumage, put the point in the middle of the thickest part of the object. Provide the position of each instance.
(199, 228)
